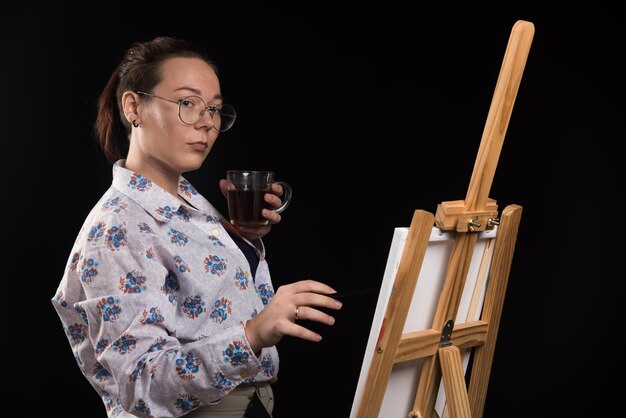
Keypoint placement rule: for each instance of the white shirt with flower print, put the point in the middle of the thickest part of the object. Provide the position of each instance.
(154, 300)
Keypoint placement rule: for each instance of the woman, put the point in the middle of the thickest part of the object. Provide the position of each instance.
(169, 309)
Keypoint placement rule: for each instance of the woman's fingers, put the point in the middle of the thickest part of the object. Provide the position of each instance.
(299, 331)
(311, 314)
(277, 189)
(315, 299)
(305, 334)
(304, 286)
(223, 183)
(273, 200)
(291, 304)
(271, 216)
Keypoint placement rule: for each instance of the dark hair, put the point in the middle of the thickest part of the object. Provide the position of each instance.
(140, 70)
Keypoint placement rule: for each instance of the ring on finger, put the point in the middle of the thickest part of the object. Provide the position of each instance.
(296, 313)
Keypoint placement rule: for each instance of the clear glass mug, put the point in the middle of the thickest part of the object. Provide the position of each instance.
(246, 191)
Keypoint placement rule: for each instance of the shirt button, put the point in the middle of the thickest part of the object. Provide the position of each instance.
(244, 374)
(215, 232)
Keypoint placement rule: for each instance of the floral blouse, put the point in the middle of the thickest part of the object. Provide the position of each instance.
(154, 300)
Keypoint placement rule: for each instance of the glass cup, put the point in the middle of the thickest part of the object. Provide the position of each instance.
(246, 191)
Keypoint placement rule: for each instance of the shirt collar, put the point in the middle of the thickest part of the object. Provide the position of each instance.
(159, 203)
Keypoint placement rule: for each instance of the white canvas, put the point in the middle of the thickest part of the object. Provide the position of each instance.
(402, 384)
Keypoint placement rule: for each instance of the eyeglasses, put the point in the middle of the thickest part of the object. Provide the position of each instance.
(192, 108)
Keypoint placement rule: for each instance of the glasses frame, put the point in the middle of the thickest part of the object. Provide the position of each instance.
(212, 109)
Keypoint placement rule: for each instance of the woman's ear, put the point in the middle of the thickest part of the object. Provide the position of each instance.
(130, 104)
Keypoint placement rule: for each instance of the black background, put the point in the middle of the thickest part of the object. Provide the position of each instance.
(370, 112)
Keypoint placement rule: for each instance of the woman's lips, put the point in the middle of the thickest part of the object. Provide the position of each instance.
(199, 146)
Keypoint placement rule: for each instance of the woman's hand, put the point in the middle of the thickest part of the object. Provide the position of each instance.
(251, 233)
(291, 303)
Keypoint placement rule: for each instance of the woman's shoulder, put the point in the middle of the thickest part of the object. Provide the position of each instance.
(114, 207)
(112, 220)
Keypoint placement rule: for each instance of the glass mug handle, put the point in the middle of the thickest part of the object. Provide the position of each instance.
(286, 196)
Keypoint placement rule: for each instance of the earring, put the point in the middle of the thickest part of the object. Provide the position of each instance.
(135, 124)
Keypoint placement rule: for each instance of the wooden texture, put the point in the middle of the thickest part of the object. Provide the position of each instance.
(453, 215)
(415, 345)
(494, 302)
(476, 199)
(397, 310)
(499, 114)
(446, 309)
(475, 304)
(454, 382)
(467, 217)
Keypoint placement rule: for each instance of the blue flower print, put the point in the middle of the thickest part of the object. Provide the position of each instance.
(100, 373)
(215, 265)
(152, 317)
(139, 182)
(267, 366)
(166, 211)
(109, 309)
(157, 345)
(116, 237)
(177, 237)
(125, 344)
(89, 270)
(96, 231)
(183, 214)
(77, 332)
(171, 286)
(193, 306)
(113, 406)
(242, 278)
(181, 265)
(74, 262)
(139, 368)
(212, 219)
(142, 406)
(58, 298)
(186, 189)
(236, 354)
(81, 312)
(187, 365)
(150, 254)
(145, 228)
(101, 345)
(220, 381)
(216, 241)
(266, 293)
(134, 282)
(221, 310)
(114, 204)
(187, 402)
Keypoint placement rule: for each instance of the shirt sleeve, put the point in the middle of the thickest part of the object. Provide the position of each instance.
(131, 313)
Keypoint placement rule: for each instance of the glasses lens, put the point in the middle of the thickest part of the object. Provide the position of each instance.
(225, 118)
(191, 109)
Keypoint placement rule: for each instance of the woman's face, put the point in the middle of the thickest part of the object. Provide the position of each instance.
(164, 141)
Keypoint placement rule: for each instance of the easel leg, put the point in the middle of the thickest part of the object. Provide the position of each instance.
(454, 381)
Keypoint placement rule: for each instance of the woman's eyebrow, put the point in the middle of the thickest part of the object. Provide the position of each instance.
(197, 92)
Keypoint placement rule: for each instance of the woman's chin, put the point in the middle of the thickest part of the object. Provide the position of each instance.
(193, 163)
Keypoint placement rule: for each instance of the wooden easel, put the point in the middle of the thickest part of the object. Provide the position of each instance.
(440, 346)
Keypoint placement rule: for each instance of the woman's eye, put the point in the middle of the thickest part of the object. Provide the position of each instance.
(186, 103)
(214, 109)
